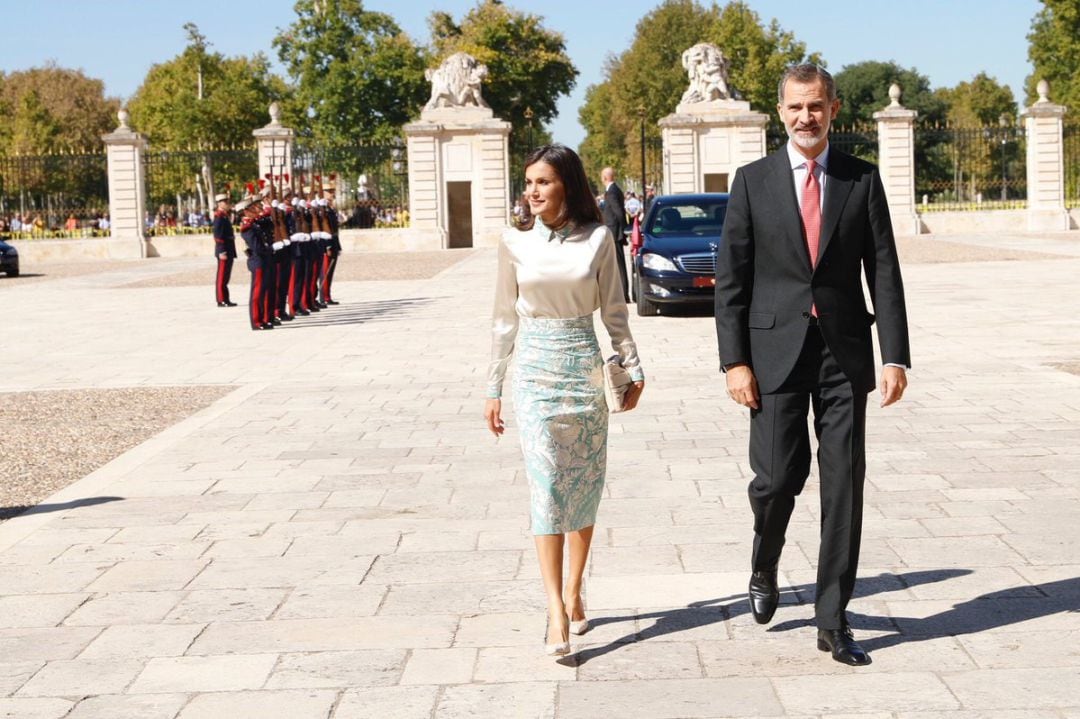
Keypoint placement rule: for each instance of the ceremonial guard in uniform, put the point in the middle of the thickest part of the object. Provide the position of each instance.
(258, 249)
(301, 261)
(333, 248)
(224, 249)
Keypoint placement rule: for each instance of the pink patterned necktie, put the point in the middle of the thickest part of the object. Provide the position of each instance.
(811, 216)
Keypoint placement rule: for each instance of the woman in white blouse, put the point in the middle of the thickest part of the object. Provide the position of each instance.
(554, 271)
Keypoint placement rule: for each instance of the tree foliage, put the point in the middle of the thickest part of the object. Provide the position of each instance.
(863, 88)
(52, 108)
(356, 75)
(980, 102)
(1054, 51)
(647, 80)
(235, 94)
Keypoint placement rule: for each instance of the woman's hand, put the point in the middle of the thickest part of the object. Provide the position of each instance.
(633, 394)
(493, 415)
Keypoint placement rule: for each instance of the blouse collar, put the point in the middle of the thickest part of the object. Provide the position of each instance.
(562, 234)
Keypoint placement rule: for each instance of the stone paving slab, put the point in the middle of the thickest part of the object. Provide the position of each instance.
(338, 536)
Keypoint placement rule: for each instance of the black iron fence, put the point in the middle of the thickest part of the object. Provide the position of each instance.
(371, 180)
(181, 184)
(979, 168)
(57, 195)
(1071, 151)
(858, 140)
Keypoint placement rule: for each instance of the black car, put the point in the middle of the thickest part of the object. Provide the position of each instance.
(676, 263)
(9, 259)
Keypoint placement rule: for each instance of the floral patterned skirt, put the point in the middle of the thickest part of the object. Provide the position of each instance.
(563, 421)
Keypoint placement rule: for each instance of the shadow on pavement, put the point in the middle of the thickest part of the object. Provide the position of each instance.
(9, 512)
(699, 614)
(354, 313)
(985, 612)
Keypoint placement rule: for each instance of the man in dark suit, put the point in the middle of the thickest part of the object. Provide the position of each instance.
(802, 226)
(615, 220)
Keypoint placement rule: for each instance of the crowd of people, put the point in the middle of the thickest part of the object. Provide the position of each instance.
(21, 226)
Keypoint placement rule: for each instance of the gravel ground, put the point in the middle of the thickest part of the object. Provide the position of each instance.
(50, 439)
(927, 249)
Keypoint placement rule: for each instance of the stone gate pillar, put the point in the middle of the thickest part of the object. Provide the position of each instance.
(275, 145)
(896, 161)
(459, 161)
(127, 190)
(710, 134)
(1045, 164)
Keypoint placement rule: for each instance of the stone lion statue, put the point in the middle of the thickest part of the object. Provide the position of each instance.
(707, 68)
(456, 83)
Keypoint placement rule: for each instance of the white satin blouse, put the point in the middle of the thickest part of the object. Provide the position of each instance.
(551, 274)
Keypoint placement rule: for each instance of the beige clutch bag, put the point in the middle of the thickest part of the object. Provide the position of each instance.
(616, 382)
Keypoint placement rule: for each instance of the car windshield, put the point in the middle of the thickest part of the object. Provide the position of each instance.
(696, 220)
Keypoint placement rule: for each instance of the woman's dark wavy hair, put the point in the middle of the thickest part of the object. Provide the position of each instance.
(579, 205)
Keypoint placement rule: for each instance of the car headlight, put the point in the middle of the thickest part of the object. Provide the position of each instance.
(658, 262)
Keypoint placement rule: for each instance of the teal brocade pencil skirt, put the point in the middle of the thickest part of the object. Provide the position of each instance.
(562, 417)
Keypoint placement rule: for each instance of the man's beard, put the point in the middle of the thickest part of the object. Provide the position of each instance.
(808, 142)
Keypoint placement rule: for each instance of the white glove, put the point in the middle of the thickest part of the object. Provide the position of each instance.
(285, 242)
(277, 246)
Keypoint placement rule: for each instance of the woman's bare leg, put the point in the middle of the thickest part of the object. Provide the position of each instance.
(579, 542)
(549, 550)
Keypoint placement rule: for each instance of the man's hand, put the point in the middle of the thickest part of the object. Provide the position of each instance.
(223, 256)
(892, 385)
(742, 385)
(493, 416)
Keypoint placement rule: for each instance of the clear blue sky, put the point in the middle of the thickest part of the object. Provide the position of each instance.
(947, 40)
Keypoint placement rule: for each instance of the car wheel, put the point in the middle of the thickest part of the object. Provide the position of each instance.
(646, 308)
(14, 272)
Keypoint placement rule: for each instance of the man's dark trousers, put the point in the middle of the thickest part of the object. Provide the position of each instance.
(780, 460)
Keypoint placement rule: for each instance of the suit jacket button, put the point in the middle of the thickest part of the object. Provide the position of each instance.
(806, 315)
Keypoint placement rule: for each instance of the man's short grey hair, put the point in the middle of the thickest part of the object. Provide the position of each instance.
(804, 73)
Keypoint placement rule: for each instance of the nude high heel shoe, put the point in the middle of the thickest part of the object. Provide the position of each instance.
(559, 649)
(580, 626)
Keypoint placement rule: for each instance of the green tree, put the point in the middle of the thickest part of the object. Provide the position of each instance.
(356, 75)
(528, 68)
(203, 98)
(1054, 51)
(51, 108)
(863, 88)
(980, 102)
(647, 79)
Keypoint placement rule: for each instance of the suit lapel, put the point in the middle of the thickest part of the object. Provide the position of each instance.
(837, 189)
(781, 186)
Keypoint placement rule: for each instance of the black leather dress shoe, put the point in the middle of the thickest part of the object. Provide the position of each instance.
(230, 304)
(268, 325)
(764, 596)
(332, 302)
(286, 318)
(303, 313)
(222, 304)
(276, 320)
(841, 642)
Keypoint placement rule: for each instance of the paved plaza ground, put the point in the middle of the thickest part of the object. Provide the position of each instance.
(337, 535)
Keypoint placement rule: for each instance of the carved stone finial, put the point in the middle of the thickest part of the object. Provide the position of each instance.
(707, 69)
(456, 82)
(1043, 88)
(894, 95)
(123, 116)
(275, 113)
